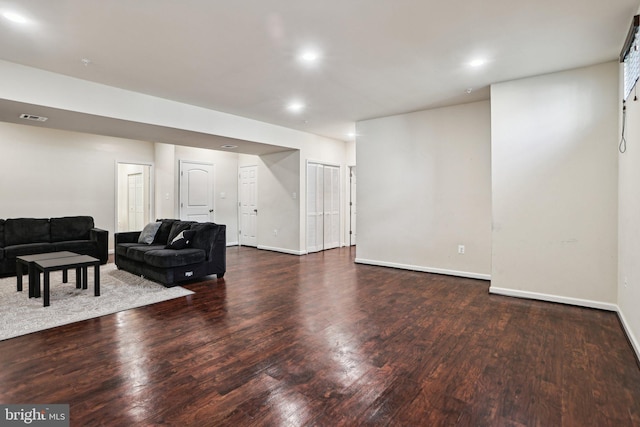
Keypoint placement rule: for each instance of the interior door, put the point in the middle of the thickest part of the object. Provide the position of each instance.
(331, 202)
(323, 207)
(196, 191)
(315, 208)
(249, 206)
(135, 204)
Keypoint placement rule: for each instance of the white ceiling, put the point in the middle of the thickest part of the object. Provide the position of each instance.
(378, 57)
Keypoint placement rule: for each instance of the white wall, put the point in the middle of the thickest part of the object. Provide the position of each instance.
(165, 187)
(424, 188)
(554, 178)
(278, 209)
(47, 173)
(629, 226)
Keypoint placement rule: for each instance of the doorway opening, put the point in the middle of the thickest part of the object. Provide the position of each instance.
(133, 196)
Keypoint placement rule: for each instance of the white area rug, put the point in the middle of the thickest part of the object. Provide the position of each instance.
(119, 290)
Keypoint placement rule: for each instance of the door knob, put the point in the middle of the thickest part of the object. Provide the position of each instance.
(210, 210)
(255, 210)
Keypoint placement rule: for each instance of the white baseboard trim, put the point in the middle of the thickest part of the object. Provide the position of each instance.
(423, 269)
(232, 244)
(282, 250)
(553, 298)
(632, 338)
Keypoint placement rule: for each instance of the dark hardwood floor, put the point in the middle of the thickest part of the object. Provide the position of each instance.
(318, 340)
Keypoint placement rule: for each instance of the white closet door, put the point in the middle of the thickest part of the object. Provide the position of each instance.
(323, 207)
(315, 208)
(331, 193)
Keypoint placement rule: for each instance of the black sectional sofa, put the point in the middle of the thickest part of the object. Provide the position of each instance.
(205, 253)
(28, 236)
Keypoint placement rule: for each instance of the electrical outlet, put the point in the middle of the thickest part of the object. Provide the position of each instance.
(461, 249)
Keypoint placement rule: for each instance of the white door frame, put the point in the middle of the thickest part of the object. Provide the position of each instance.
(352, 174)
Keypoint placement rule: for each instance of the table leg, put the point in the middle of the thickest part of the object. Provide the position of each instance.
(35, 281)
(19, 276)
(96, 280)
(84, 277)
(65, 277)
(46, 288)
(78, 279)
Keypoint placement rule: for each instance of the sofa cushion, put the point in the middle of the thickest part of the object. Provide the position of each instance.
(167, 258)
(122, 248)
(1, 233)
(71, 228)
(28, 249)
(162, 236)
(137, 252)
(177, 227)
(182, 240)
(149, 233)
(20, 231)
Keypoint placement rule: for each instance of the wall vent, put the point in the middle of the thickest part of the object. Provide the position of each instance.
(33, 117)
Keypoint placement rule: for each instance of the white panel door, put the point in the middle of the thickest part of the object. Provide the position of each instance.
(135, 205)
(248, 206)
(331, 192)
(196, 191)
(323, 207)
(315, 208)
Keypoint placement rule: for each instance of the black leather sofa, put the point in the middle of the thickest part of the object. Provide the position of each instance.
(205, 255)
(28, 236)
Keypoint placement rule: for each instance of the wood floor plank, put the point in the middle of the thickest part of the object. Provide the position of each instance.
(318, 340)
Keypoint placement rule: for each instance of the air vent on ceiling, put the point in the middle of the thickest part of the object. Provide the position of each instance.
(33, 117)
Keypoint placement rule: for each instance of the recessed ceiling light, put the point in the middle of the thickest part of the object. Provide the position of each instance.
(15, 17)
(477, 63)
(309, 56)
(295, 107)
(229, 146)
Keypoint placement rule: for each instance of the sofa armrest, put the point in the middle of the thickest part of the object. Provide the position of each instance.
(126, 237)
(102, 237)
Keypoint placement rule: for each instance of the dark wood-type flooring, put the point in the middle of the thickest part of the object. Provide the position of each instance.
(318, 340)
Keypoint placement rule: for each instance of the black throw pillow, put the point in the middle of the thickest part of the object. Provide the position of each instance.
(182, 240)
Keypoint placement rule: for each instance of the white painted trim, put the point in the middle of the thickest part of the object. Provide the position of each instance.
(232, 244)
(423, 269)
(632, 339)
(282, 250)
(553, 298)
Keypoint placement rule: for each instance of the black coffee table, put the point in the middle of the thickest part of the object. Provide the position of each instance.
(79, 262)
(28, 260)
